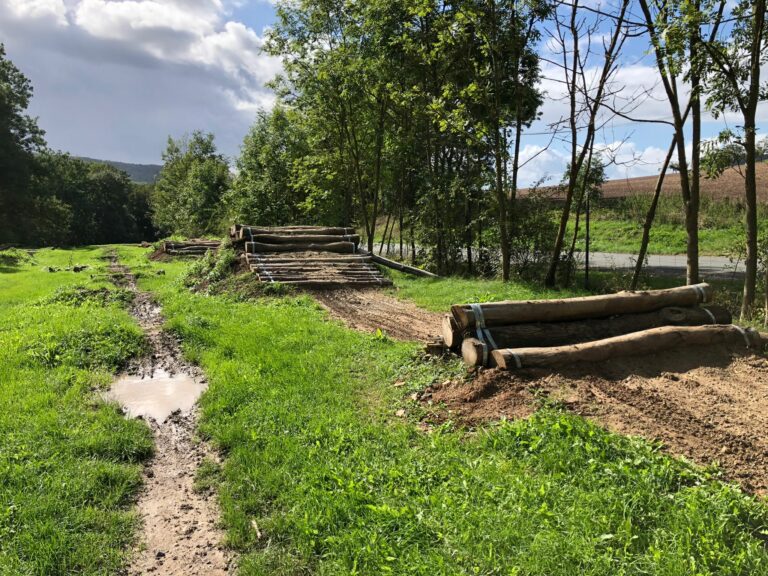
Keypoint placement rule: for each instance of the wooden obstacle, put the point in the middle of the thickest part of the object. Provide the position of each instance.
(193, 247)
(307, 256)
(515, 334)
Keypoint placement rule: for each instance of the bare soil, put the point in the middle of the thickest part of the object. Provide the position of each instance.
(181, 530)
(706, 404)
(369, 310)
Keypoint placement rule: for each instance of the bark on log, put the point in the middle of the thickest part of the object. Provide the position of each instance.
(305, 238)
(452, 335)
(340, 247)
(635, 344)
(603, 306)
(402, 267)
(340, 259)
(245, 232)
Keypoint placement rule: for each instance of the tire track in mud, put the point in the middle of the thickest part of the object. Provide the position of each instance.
(181, 533)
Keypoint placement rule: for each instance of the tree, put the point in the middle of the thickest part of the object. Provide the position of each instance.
(266, 190)
(20, 139)
(188, 192)
(733, 83)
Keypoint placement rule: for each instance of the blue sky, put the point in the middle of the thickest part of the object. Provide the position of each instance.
(114, 78)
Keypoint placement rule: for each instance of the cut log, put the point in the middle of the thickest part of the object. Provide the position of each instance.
(561, 333)
(452, 336)
(603, 306)
(402, 267)
(340, 259)
(636, 344)
(305, 238)
(246, 232)
(477, 353)
(340, 247)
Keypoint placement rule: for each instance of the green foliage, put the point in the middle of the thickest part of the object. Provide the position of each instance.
(265, 191)
(550, 495)
(212, 267)
(14, 257)
(70, 464)
(83, 295)
(188, 192)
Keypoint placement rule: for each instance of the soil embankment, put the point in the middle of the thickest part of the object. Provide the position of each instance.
(181, 535)
(704, 403)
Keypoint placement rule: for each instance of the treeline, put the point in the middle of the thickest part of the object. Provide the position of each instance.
(51, 198)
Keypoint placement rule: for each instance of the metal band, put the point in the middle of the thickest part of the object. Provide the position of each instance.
(700, 291)
(516, 357)
(711, 316)
(747, 341)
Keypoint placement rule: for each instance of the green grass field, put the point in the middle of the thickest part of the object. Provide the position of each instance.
(320, 476)
(69, 463)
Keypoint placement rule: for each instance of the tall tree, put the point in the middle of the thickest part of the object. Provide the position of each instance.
(20, 139)
(734, 83)
(189, 189)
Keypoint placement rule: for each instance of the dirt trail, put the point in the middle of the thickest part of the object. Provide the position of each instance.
(704, 404)
(181, 533)
(368, 310)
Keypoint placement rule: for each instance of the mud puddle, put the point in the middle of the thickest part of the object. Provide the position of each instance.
(158, 396)
(181, 534)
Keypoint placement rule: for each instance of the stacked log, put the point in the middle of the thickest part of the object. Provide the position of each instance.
(192, 247)
(551, 332)
(307, 256)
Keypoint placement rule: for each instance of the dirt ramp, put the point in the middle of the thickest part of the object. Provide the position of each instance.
(369, 310)
(705, 404)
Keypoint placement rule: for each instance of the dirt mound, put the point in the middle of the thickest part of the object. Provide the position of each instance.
(369, 310)
(705, 404)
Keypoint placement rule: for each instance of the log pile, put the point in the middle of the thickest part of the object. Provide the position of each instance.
(192, 247)
(308, 256)
(513, 335)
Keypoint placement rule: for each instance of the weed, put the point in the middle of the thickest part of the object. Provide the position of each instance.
(82, 295)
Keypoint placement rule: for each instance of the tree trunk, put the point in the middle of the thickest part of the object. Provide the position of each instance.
(563, 333)
(642, 343)
(750, 196)
(603, 306)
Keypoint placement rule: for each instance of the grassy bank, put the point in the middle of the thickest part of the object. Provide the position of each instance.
(322, 474)
(69, 464)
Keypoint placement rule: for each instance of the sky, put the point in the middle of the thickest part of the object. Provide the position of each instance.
(113, 79)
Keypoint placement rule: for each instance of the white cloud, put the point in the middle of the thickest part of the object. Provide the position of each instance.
(54, 10)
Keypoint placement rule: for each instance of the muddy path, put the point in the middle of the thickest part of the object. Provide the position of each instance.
(370, 309)
(706, 404)
(181, 534)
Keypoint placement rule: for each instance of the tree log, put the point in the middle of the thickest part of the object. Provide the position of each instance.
(402, 267)
(246, 232)
(477, 353)
(561, 333)
(340, 247)
(635, 344)
(305, 238)
(451, 333)
(603, 306)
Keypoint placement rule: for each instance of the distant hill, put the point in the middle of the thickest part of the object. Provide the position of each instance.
(141, 173)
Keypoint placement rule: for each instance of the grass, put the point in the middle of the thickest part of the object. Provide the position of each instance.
(438, 294)
(69, 463)
(321, 476)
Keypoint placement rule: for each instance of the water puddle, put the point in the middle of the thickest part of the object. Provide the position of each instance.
(156, 397)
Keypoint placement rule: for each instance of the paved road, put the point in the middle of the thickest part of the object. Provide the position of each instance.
(710, 266)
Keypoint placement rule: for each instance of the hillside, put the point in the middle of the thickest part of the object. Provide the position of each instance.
(140, 173)
(729, 185)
